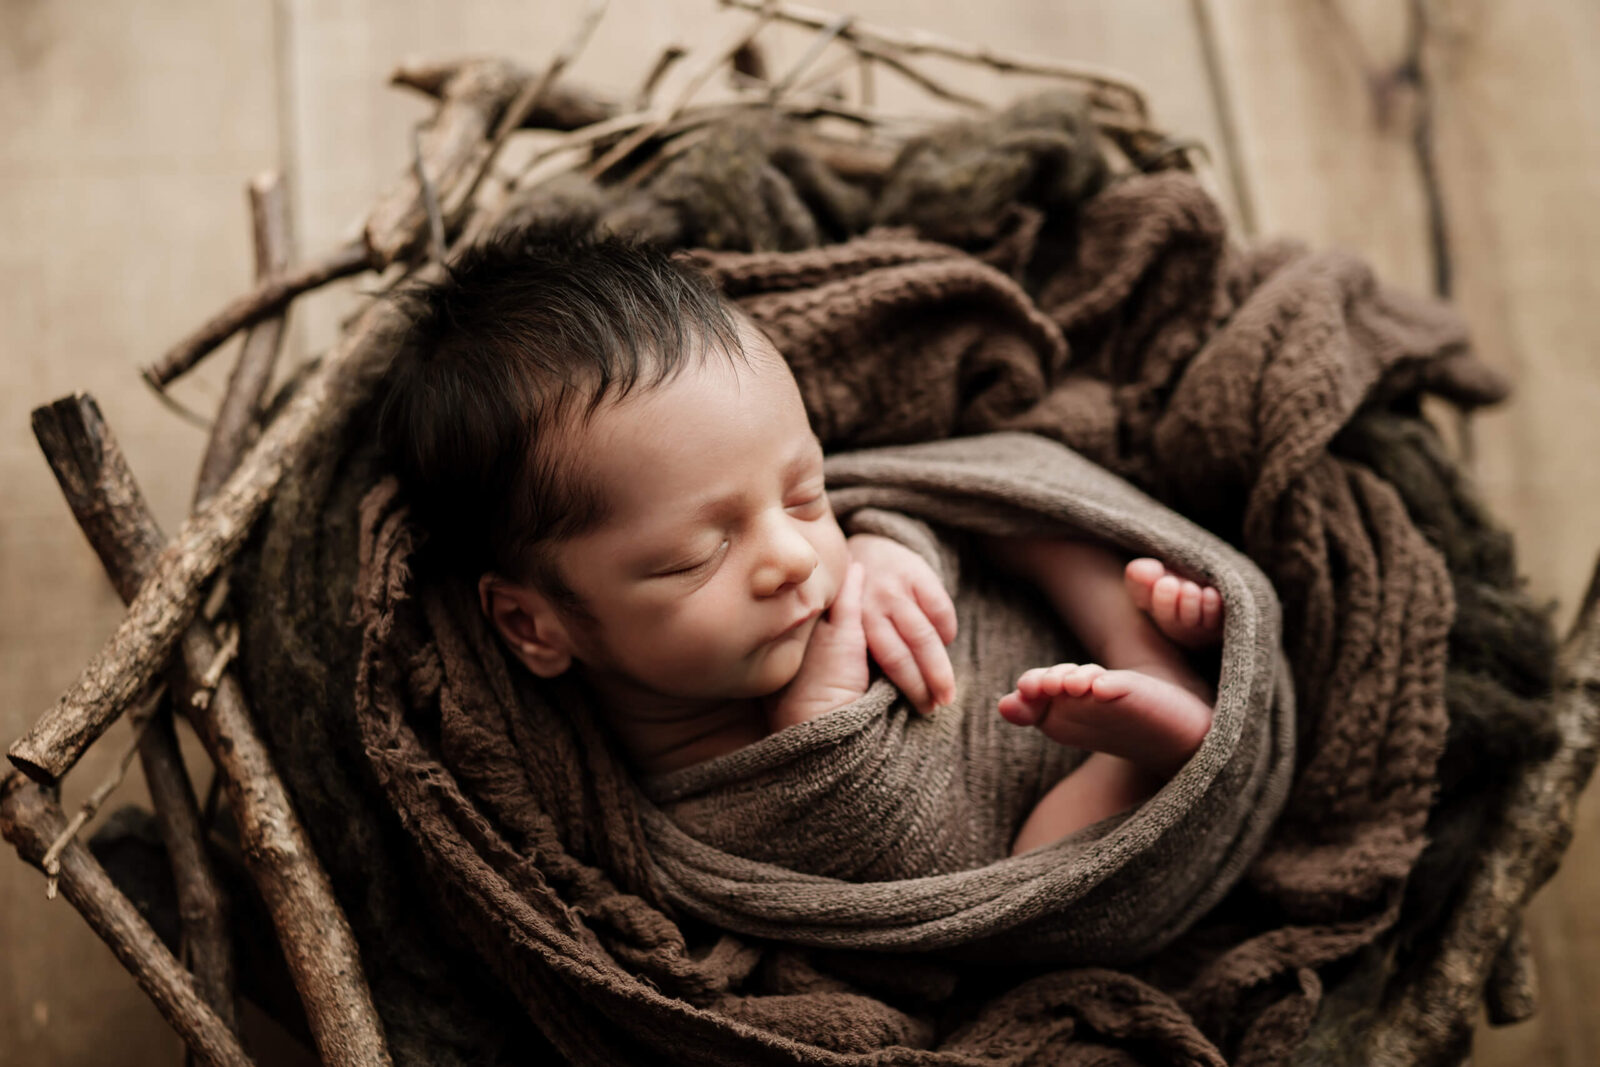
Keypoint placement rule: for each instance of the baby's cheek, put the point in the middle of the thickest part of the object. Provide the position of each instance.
(834, 555)
(704, 642)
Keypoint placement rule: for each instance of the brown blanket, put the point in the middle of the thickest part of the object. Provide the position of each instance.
(1212, 379)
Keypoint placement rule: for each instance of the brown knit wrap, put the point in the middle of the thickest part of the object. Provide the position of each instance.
(874, 828)
(1211, 378)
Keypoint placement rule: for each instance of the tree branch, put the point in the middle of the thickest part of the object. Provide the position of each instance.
(317, 942)
(207, 541)
(241, 403)
(268, 298)
(30, 819)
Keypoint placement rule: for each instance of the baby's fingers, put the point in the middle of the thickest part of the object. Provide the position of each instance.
(846, 610)
(936, 604)
(933, 662)
(897, 661)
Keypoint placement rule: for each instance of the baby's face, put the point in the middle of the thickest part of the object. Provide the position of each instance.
(721, 550)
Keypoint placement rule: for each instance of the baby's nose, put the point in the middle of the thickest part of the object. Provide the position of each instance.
(791, 561)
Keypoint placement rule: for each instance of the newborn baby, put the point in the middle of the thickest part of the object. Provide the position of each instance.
(623, 464)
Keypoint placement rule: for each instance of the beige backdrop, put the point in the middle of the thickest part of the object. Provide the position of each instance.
(130, 130)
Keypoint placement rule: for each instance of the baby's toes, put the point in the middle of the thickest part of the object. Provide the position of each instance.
(1140, 576)
(1054, 680)
(1199, 616)
(1017, 709)
(1189, 605)
(1164, 596)
(1030, 686)
(1210, 610)
(1077, 681)
(1113, 685)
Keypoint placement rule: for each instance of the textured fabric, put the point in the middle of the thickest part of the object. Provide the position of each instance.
(874, 793)
(1214, 380)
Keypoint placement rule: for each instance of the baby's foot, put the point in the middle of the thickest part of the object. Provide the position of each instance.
(1152, 723)
(1189, 614)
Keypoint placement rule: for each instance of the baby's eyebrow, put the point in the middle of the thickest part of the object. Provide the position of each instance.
(802, 459)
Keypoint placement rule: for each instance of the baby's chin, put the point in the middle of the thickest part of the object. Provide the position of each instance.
(778, 662)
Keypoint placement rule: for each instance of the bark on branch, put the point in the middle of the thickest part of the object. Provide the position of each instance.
(207, 541)
(30, 819)
(269, 297)
(204, 910)
(318, 944)
(241, 404)
(481, 103)
(562, 106)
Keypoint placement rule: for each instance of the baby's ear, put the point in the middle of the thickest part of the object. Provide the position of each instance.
(528, 623)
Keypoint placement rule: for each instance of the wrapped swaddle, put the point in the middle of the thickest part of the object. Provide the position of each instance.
(873, 827)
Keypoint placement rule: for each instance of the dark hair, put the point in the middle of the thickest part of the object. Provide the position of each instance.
(528, 332)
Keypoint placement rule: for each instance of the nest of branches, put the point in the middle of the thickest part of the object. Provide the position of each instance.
(790, 161)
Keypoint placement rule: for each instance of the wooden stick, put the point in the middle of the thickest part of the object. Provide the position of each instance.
(825, 82)
(267, 298)
(317, 942)
(97, 490)
(204, 909)
(51, 864)
(454, 143)
(430, 198)
(1430, 1020)
(203, 905)
(241, 403)
(562, 107)
(207, 541)
(918, 42)
(178, 407)
(813, 52)
(534, 92)
(913, 75)
(693, 118)
(30, 819)
(457, 147)
(869, 86)
(664, 62)
(206, 682)
(623, 148)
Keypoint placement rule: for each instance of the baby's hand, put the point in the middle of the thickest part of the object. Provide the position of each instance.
(908, 618)
(834, 670)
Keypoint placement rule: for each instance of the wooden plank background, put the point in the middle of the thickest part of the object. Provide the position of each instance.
(130, 131)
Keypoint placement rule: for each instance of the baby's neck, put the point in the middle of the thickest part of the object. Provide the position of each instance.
(660, 733)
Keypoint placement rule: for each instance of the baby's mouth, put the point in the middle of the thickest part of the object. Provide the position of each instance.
(794, 627)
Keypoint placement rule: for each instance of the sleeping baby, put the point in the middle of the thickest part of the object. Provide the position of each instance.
(622, 462)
